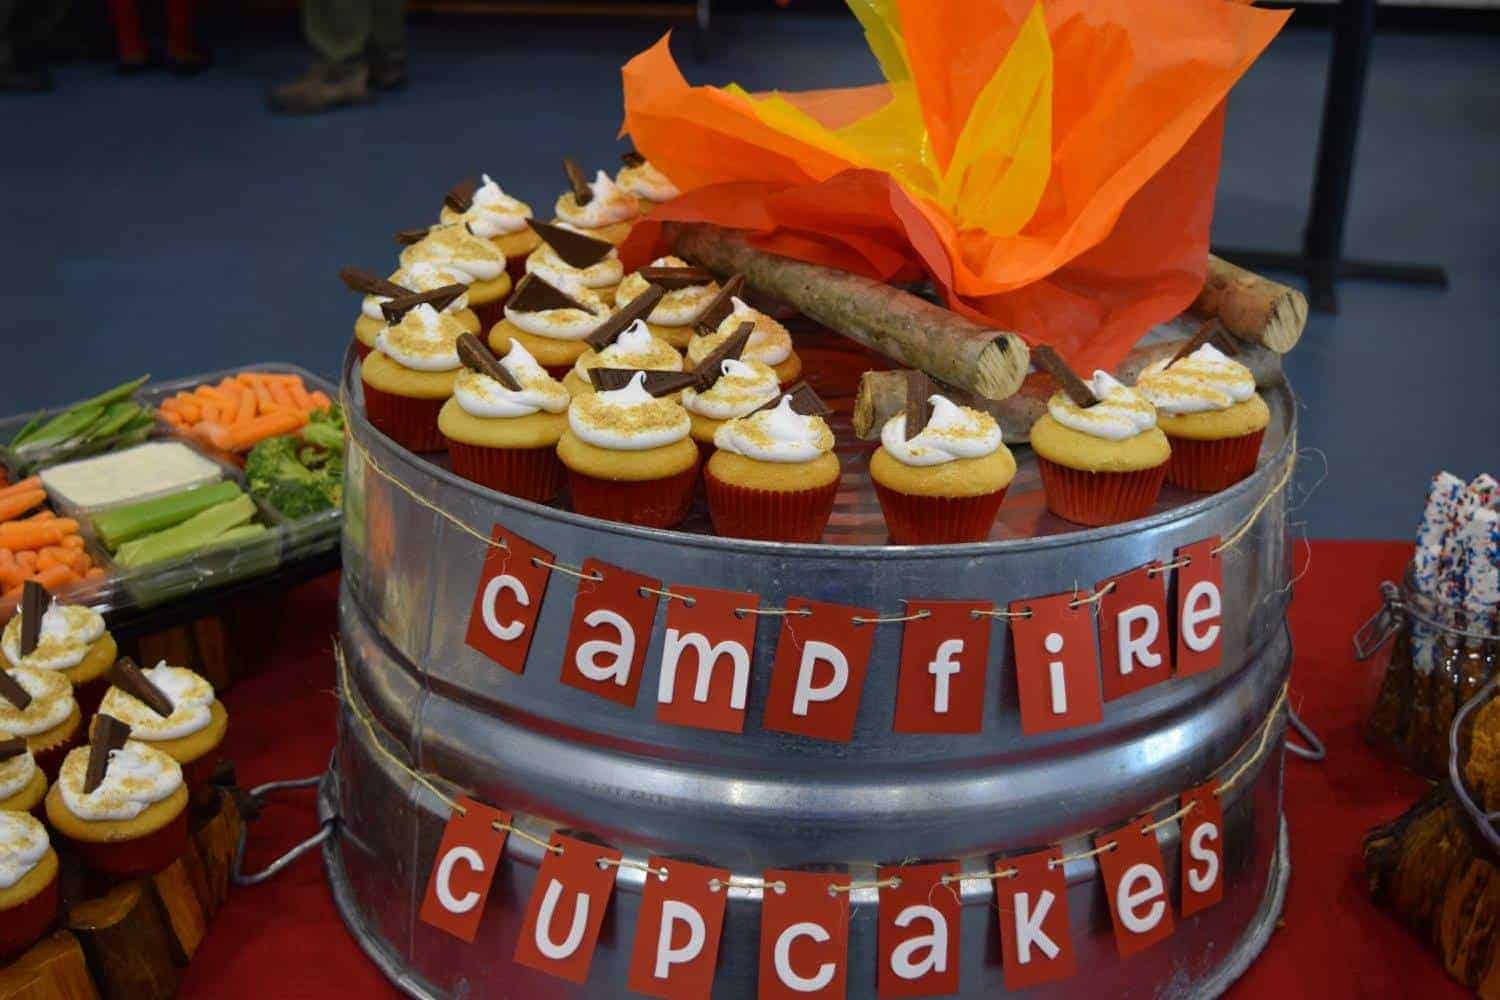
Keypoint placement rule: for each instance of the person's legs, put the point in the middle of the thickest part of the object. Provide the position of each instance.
(182, 45)
(130, 44)
(387, 48)
(339, 32)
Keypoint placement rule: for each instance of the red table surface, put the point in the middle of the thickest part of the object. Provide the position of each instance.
(1332, 942)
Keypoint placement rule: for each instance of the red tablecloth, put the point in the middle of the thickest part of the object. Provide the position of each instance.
(286, 935)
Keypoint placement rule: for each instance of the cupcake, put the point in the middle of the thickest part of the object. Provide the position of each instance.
(629, 456)
(773, 474)
(120, 803)
(642, 180)
(941, 470)
(597, 208)
(410, 376)
(727, 387)
(568, 258)
(28, 883)
(550, 321)
(689, 293)
(1207, 405)
(72, 642)
(493, 215)
(38, 706)
(770, 343)
(173, 710)
(476, 260)
(1101, 455)
(22, 783)
(504, 421)
(378, 292)
(634, 348)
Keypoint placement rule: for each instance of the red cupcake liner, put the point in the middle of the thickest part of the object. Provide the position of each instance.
(50, 761)
(23, 926)
(135, 858)
(650, 503)
(516, 268)
(197, 773)
(362, 349)
(1098, 498)
(529, 473)
(923, 520)
(773, 515)
(410, 422)
(89, 694)
(1210, 466)
(490, 313)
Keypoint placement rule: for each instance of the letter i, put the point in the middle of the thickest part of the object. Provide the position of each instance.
(1054, 644)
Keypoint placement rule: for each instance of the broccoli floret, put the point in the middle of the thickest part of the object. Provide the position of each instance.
(271, 461)
(301, 474)
(298, 498)
(324, 435)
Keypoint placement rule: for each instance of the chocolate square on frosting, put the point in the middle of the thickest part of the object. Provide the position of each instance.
(673, 278)
(1076, 388)
(575, 249)
(918, 403)
(129, 678)
(637, 308)
(460, 197)
(358, 280)
(12, 691)
(33, 607)
(721, 306)
(477, 357)
(13, 746)
(107, 735)
(438, 298)
(582, 193)
(805, 400)
(534, 294)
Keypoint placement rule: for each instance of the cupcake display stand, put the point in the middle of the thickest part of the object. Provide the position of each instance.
(419, 700)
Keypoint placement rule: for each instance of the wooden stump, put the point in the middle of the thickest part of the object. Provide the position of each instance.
(53, 969)
(128, 943)
(215, 843)
(202, 646)
(181, 906)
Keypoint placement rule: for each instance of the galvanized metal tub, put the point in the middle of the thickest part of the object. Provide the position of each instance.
(561, 758)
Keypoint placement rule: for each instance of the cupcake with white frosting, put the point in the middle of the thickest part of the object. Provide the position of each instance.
(191, 733)
(410, 376)
(689, 293)
(770, 343)
(134, 822)
(22, 783)
(551, 321)
(607, 213)
(503, 431)
(477, 262)
(944, 481)
(47, 716)
(28, 882)
(73, 642)
(1207, 405)
(1105, 462)
(635, 347)
(629, 456)
(568, 258)
(640, 178)
(773, 474)
(739, 389)
(493, 215)
(417, 278)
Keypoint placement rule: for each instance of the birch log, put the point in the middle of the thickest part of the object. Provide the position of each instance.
(987, 362)
(1254, 309)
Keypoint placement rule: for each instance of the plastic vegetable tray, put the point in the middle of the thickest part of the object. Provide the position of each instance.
(291, 550)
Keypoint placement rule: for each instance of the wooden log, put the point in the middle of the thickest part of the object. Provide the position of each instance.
(127, 942)
(175, 893)
(1467, 922)
(987, 362)
(52, 969)
(1255, 309)
(883, 394)
(201, 646)
(215, 841)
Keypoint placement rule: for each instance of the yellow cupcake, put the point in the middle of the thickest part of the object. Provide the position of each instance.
(22, 783)
(741, 387)
(635, 348)
(73, 642)
(609, 214)
(497, 217)
(141, 793)
(673, 318)
(24, 837)
(770, 343)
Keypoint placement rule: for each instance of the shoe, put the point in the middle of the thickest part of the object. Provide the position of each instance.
(14, 80)
(387, 74)
(322, 88)
(190, 64)
(133, 66)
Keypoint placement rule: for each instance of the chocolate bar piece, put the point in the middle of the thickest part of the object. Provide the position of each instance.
(14, 746)
(657, 383)
(129, 678)
(805, 400)
(582, 193)
(637, 308)
(533, 294)
(12, 691)
(438, 298)
(1201, 336)
(673, 278)
(460, 197)
(358, 280)
(575, 249)
(632, 159)
(918, 403)
(707, 371)
(477, 357)
(107, 735)
(33, 607)
(721, 306)
(1223, 340)
(1076, 389)
(406, 237)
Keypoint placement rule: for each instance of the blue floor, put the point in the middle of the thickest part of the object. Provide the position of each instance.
(175, 226)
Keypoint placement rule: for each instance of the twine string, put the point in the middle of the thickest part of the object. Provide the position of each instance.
(1095, 597)
(685, 599)
(639, 866)
(998, 613)
(894, 882)
(774, 612)
(514, 830)
(914, 617)
(979, 876)
(570, 570)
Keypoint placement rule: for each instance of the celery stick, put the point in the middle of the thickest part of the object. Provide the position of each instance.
(123, 524)
(195, 533)
(234, 536)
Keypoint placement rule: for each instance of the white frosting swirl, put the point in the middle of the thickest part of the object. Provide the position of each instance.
(645, 181)
(425, 340)
(609, 205)
(679, 306)
(779, 434)
(138, 777)
(16, 773)
(952, 432)
(23, 845)
(562, 324)
(769, 343)
(481, 396)
(635, 347)
(628, 419)
(420, 277)
(741, 387)
(1205, 380)
(459, 250)
(68, 630)
(192, 700)
(51, 703)
(547, 265)
(495, 213)
(1121, 412)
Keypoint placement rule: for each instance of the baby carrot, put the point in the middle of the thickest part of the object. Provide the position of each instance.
(27, 535)
(27, 561)
(320, 400)
(54, 578)
(300, 395)
(95, 573)
(281, 394)
(73, 542)
(16, 504)
(263, 397)
(33, 483)
(247, 407)
(42, 515)
(190, 410)
(243, 436)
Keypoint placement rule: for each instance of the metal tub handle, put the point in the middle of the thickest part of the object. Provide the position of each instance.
(257, 795)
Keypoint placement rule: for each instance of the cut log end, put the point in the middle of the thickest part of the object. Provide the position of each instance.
(1001, 367)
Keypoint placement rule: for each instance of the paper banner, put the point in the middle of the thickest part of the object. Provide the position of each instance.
(1200, 608)
(1033, 909)
(508, 599)
(1202, 838)
(676, 948)
(1057, 664)
(804, 935)
(464, 869)
(944, 660)
(1135, 882)
(819, 672)
(918, 939)
(705, 659)
(612, 620)
(567, 907)
(1134, 643)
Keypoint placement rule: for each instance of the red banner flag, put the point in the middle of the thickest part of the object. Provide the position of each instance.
(1133, 628)
(1135, 881)
(511, 584)
(676, 949)
(1200, 608)
(1202, 838)
(819, 672)
(713, 632)
(944, 657)
(804, 935)
(612, 617)
(1057, 664)
(1035, 939)
(919, 930)
(464, 869)
(567, 907)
